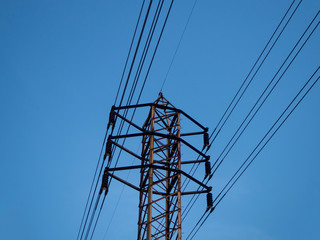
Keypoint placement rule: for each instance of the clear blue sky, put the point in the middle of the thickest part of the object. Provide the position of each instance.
(60, 64)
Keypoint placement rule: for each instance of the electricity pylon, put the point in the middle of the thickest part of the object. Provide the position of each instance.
(160, 183)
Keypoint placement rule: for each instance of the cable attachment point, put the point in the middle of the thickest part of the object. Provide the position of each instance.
(108, 149)
(104, 184)
(111, 118)
(207, 168)
(206, 139)
(209, 201)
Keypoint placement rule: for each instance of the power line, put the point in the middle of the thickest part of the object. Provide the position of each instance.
(271, 90)
(95, 173)
(254, 67)
(136, 51)
(144, 23)
(142, 87)
(151, 62)
(115, 209)
(251, 70)
(275, 83)
(154, 53)
(194, 198)
(133, 87)
(91, 219)
(261, 141)
(126, 63)
(133, 37)
(178, 46)
(141, 63)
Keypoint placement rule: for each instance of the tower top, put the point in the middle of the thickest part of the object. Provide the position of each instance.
(162, 100)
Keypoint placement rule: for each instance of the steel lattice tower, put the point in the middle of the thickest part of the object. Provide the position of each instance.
(160, 168)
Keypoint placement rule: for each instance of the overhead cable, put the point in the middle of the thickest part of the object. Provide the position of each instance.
(265, 140)
(251, 70)
(212, 137)
(144, 23)
(154, 53)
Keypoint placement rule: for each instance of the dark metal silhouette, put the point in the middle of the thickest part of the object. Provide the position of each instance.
(160, 167)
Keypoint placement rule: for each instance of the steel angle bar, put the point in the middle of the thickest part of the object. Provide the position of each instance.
(130, 122)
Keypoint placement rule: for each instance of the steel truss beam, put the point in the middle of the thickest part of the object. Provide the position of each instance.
(160, 169)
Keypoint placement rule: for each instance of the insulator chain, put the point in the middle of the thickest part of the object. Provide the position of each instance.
(111, 118)
(108, 149)
(209, 201)
(104, 184)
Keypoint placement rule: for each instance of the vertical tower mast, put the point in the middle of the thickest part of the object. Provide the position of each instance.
(164, 150)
